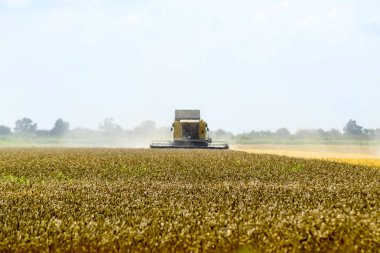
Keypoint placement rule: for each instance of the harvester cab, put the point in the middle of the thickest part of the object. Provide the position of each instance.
(189, 131)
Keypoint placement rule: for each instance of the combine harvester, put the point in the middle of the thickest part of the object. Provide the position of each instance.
(189, 131)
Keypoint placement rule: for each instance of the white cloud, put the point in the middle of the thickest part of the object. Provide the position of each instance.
(305, 22)
(337, 18)
(290, 15)
(332, 14)
(341, 16)
(16, 3)
(130, 20)
(268, 14)
(144, 49)
(376, 20)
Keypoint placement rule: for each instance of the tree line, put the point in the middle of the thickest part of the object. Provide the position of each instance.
(26, 127)
(351, 131)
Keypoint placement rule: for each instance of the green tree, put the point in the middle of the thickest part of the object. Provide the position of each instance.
(60, 128)
(221, 134)
(283, 133)
(25, 125)
(352, 128)
(4, 130)
(333, 133)
(109, 126)
(369, 132)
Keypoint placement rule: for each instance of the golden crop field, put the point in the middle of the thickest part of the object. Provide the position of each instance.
(120, 200)
(354, 154)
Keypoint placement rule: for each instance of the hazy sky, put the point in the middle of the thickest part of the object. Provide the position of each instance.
(246, 64)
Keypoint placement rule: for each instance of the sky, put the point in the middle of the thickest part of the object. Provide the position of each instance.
(246, 64)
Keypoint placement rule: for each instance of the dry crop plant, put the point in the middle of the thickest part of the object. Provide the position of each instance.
(82, 200)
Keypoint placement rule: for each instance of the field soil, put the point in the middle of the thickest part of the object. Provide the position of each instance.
(138, 200)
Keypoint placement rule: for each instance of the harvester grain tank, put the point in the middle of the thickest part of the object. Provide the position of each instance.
(189, 131)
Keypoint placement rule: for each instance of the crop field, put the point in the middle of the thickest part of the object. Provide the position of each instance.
(354, 154)
(122, 200)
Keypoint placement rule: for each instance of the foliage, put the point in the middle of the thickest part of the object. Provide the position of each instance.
(184, 200)
(352, 128)
(109, 126)
(60, 128)
(42, 133)
(25, 125)
(221, 134)
(147, 131)
(4, 130)
(283, 133)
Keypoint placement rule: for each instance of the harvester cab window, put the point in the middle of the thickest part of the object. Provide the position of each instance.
(190, 131)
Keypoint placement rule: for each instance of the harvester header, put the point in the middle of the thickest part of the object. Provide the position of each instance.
(189, 131)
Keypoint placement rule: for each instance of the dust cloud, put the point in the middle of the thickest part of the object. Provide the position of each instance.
(109, 135)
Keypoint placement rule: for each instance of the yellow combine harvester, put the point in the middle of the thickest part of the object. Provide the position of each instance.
(189, 131)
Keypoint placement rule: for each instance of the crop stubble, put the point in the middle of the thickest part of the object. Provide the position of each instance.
(184, 200)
